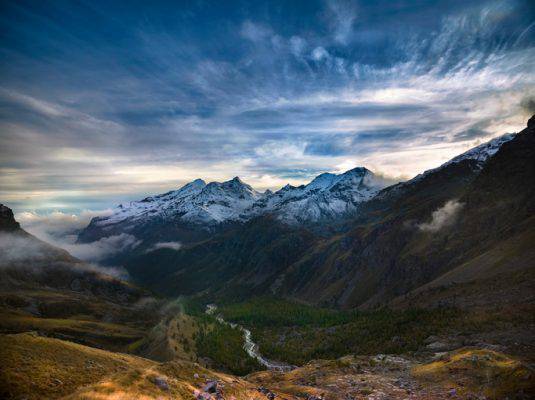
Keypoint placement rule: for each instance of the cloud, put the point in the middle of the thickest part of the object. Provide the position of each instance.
(255, 32)
(57, 224)
(297, 45)
(442, 217)
(19, 251)
(100, 249)
(528, 105)
(61, 229)
(165, 245)
(108, 113)
(341, 15)
(319, 53)
(17, 248)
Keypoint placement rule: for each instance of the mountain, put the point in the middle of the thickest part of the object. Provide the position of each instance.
(474, 213)
(327, 197)
(190, 212)
(385, 250)
(197, 210)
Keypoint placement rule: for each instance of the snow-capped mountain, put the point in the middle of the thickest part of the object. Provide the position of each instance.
(480, 154)
(196, 202)
(327, 196)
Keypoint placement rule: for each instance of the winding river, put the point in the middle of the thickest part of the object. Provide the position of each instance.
(248, 345)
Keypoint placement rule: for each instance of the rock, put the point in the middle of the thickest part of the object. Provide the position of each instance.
(438, 346)
(266, 392)
(161, 382)
(210, 387)
(431, 339)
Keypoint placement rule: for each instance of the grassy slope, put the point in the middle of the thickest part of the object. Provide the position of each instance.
(35, 367)
(78, 316)
(479, 371)
(506, 271)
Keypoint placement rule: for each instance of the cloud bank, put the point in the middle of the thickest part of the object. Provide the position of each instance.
(442, 217)
(60, 229)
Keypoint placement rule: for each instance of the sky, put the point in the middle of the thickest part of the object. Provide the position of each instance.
(103, 102)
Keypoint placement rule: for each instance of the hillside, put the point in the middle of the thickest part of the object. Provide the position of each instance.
(416, 232)
(36, 367)
(44, 288)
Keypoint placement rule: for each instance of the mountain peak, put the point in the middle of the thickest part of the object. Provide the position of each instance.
(7, 219)
(361, 171)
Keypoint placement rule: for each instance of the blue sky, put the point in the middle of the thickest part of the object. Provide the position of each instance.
(102, 102)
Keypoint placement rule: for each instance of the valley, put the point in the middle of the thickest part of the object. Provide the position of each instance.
(419, 290)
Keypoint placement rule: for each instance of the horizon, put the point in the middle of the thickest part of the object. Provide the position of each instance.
(103, 104)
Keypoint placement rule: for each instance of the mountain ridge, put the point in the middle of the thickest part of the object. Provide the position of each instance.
(198, 209)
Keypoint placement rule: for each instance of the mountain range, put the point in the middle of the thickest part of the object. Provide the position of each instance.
(345, 240)
(198, 205)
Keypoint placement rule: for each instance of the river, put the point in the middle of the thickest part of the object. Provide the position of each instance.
(248, 345)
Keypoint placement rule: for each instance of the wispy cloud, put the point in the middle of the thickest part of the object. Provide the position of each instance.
(341, 15)
(165, 245)
(91, 115)
(442, 217)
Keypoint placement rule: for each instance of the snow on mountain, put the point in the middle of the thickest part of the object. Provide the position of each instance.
(327, 196)
(484, 151)
(196, 202)
(479, 153)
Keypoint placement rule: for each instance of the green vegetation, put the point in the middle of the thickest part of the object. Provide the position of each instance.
(224, 346)
(271, 312)
(297, 333)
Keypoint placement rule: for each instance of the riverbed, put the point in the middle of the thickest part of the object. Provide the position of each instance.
(249, 346)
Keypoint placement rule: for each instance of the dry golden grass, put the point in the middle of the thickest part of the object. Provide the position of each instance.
(35, 367)
(95, 333)
(479, 371)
